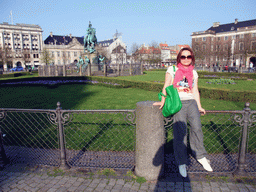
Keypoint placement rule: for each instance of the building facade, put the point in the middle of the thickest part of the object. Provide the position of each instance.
(232, 44)
(20, 45)
(65, 50)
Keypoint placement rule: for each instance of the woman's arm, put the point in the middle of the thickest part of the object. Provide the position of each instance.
(196, 95)
(168, 80)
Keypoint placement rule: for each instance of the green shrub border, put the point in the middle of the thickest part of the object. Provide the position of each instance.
(212, 93)
(241, 76)
(16, 74)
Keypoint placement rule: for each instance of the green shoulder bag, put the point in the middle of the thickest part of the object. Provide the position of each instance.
(172, 103)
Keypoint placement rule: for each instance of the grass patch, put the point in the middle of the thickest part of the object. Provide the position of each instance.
(136, 178)
(107, 172)
(55, 172)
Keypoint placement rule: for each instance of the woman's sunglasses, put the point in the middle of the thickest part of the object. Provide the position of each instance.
(184, 57)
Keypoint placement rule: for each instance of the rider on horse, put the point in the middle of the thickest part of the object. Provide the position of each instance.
(90, 40)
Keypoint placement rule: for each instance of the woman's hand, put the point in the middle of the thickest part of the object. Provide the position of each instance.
(161, 103)
(202, 110)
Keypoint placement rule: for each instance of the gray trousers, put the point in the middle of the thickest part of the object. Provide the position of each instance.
(189, 112)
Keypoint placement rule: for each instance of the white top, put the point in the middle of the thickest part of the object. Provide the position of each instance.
(184, 90)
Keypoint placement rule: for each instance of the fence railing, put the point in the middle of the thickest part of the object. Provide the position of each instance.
(104, 70)
(106, 138)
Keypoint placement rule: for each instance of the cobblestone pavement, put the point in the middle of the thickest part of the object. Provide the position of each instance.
(49, 181)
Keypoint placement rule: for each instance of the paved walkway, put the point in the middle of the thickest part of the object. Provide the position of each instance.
(13, 178)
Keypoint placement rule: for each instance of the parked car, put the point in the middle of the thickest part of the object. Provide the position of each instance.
(233, 69)
(18, 68)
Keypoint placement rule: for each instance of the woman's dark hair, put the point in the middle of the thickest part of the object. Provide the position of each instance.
(186, 49)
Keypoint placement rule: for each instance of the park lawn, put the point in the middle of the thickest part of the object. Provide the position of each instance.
(78, 96)
(159, 76)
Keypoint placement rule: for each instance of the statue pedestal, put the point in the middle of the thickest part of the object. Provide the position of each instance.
(93, 61)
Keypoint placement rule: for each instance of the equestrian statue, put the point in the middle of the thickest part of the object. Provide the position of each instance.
(90, 40)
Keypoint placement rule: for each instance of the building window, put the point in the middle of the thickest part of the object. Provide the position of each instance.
(225, 47)
(218, 38)
(226, 38)
(203, 47)
(68, 54)
(212, 38)
(203, 38)
(196, 39)
(241, 36)
(253, 47)
(58, 54)
(233, 37)
(241, 46)
(75, 54)
(253, 34)
(212, 47)
(52, 53)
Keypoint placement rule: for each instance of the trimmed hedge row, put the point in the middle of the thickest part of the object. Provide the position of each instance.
(203, 74)
(15, 74)
(212, 93)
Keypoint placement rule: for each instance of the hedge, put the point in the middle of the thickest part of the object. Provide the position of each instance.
(15, 74)
(212, 93)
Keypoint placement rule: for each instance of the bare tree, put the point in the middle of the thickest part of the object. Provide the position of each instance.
(46, 57)
(134, 51)
(103, 52)
(6, 56)
(26, 57)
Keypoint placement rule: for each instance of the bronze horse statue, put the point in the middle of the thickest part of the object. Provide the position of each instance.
(90, 40)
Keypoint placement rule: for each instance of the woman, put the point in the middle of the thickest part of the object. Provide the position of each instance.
(185, 78)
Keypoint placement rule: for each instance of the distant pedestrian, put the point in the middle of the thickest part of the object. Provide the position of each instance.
(185, 79)
(251, 67)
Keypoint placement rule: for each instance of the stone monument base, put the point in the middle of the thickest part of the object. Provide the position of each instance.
(91, 56)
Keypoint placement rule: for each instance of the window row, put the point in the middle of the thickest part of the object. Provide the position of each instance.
(227, 47)
(225, 38)
(64, 54)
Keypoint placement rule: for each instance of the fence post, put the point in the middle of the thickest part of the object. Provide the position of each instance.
(141, 68)
(242, 150)
(89, 69)
(64, 70)
(56, 70)
(118, 69)
(43, 70)
(105, 69)
(3, 158)
(131, 68)
(150, 140)
(63, 160)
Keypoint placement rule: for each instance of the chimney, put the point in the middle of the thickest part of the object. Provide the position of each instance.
(70, 35)
(236, 21)
(51, 34)
(216, 24)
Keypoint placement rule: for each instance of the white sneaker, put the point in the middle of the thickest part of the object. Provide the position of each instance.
(183, 170)
(205, 163)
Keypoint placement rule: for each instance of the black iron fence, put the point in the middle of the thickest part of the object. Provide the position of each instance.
(106, 138)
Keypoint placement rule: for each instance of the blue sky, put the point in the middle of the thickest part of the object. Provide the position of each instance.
(139, 21)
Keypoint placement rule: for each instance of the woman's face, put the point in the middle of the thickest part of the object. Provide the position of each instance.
(186, 58)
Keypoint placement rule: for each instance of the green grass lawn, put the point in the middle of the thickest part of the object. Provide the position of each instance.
(77, 96)
(159, 76)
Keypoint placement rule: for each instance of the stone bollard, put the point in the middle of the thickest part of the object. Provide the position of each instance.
(150, 140)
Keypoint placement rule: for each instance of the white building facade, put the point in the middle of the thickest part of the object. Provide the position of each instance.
(20, 45)
(67, 49)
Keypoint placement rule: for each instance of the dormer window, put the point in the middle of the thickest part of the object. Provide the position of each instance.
(232, 28)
